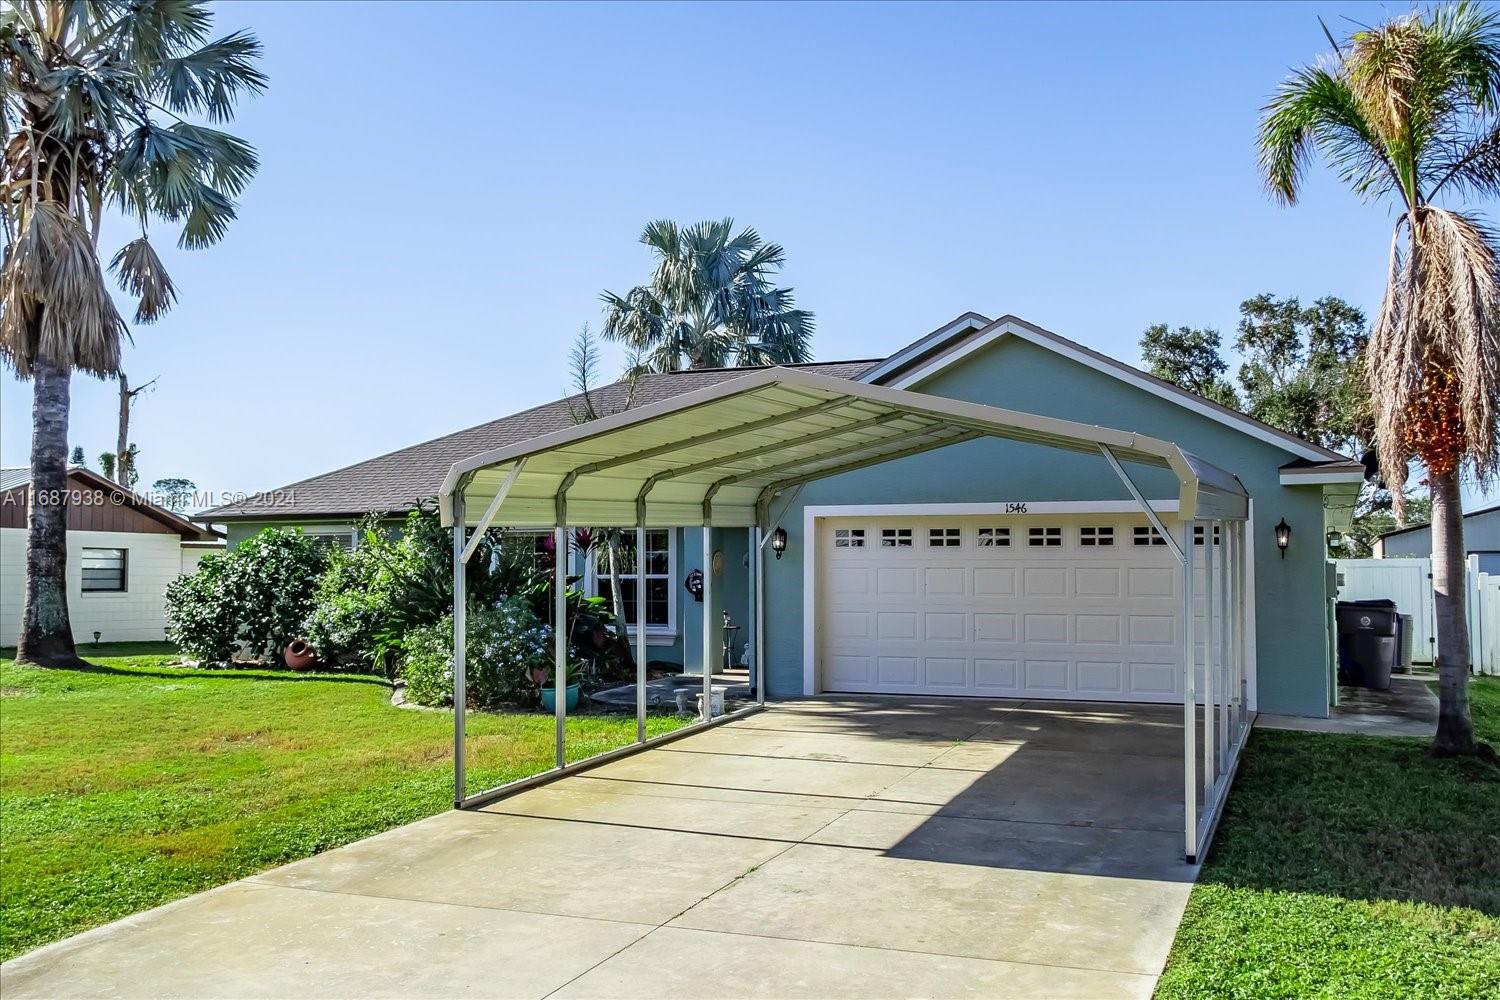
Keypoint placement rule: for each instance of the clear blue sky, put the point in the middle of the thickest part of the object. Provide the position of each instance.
(446, 189)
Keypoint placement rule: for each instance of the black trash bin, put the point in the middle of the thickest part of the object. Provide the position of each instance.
(1369, 642)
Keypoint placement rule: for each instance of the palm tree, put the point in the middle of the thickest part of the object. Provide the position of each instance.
(94, 98)
(711, 302)
(1409, 112)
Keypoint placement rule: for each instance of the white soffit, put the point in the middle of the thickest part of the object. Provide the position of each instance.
(720, 452)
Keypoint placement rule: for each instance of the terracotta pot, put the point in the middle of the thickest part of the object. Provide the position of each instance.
(299, 655)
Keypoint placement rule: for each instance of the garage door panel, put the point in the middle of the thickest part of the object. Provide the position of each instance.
(946, 626)
(950, 672)
(1044, 581)
(896, 625)
(1064, 619)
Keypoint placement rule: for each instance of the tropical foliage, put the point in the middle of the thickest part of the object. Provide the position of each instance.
(1189, 358)
(96, 101)
(711, 302)
(508, 654)
(256, 595)
(1408, 113)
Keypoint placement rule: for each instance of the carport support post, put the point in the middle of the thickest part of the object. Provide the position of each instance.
(560, 638)
(1210, 655)
(1189, 699)
(640, 627)
(1221, 533)
(708, 631)
(460, 651)
(759, 666)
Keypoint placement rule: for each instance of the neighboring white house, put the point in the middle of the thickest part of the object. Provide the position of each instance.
(123, 550)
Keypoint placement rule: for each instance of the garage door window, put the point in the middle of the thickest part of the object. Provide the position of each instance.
(1044, 537)
(849, 538)
(1146, 535)
(994, 538)
(103, 571)
(944, 538)
(1198, 534)
(895, 538)
(1093, 537)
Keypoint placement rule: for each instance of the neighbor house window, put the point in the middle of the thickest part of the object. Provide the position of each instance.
(993, 538)
(1096, 536)
(104, 571)
(658, 588)
(1049, 537)
(895, 538)
(944, 538)
(327, 538)
(848, 538)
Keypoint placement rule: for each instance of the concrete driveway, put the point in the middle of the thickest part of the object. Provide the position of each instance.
(827, 848)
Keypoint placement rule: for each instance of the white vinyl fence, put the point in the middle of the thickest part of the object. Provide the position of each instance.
(1408, 582)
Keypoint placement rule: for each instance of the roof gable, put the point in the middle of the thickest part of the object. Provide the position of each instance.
(952, 344)
(16, 477)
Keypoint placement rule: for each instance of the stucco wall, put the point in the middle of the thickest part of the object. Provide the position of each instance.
(1290, 593)
(154, 560)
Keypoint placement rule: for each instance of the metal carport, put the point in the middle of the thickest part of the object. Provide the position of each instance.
(722, 456)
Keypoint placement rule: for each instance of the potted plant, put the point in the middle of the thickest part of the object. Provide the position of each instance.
(543, 678)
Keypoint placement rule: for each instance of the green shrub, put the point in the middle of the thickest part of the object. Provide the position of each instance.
(368, 600)
(259, 593)
(202, 610)
(505, 644)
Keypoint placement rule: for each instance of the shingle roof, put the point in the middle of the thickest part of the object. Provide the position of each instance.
(14, 476)
(396, 481)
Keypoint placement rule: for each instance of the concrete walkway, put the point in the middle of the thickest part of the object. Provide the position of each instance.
(829, 848)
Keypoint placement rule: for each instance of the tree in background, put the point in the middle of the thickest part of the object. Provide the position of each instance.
(1188, 358)
(711, 302)
(122, 472)
(1303, 369)
(94, 103)
(174, 492)
(1409, 112)
(77, 457)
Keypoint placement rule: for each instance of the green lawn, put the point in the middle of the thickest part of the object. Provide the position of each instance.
(138, 782)
(1350, 867)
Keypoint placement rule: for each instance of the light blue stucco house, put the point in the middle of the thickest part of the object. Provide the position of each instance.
(987, 567)
(1481, 540)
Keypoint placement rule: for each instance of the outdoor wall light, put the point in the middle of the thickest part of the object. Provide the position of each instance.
(1283, 536)
(778, 541)
(1335, 540)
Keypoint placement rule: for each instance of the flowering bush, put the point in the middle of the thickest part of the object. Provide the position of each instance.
(505, 644)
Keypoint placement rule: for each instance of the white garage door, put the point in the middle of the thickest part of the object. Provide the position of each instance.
(1066, 606)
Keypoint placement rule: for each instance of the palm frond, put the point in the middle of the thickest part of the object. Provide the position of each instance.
(141, 273)
(53, 301)
(210, 79)
(1316, 110)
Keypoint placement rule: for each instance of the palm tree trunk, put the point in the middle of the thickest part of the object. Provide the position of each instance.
(1455, 731)
(46, 634)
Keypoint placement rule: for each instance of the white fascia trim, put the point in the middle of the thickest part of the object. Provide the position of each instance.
(969, 321)
(811, 515)
(1322, 478)
(1171, 395)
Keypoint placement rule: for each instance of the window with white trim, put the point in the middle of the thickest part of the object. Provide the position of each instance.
(104, 571)
(1145, 534)
(944, 538)
(895, 538)
(994, 538)
(1198, 534)
(1093, 536)
(1039, 537)
(327, 537)
(848, 538)
(660, 558)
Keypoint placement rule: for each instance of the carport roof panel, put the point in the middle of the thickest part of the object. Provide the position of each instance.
(730, 442)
